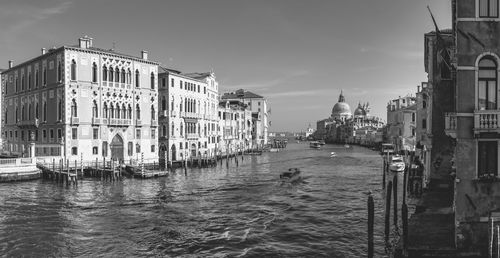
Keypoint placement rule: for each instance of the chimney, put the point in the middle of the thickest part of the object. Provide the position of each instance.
(418, 88)
(11, 64)
(44, 50)
(85, 42)
(144, 54)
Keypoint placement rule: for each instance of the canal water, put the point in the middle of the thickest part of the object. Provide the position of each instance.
(216, 212)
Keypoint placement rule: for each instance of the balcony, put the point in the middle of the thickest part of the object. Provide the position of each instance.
(450, 124)
(96, 121)
(486, 121)
(154, 123)
(119, 122)
(192, 136)
(138, 122)
(191, 115)
(75, 120)
(28, 123)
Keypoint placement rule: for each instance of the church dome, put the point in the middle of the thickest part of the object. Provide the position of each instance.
(359, 111)
(341, 108)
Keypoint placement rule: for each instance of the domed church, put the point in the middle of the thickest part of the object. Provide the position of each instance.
(341, 110)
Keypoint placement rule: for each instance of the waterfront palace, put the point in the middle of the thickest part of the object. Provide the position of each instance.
(84, 102)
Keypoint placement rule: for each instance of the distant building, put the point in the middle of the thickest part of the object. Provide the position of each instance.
(82, 102)
(401, 123)
(260, 110)
(236, 127)
(2, 85)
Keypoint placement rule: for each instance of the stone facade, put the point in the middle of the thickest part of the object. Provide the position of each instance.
(82, 102)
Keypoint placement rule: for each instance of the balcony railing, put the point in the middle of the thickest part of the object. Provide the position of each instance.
(29, 123)
(192, 136)
(138, 122)
(75, 120)
(486, 120)
(191, 115)
(96, 121)
(119, 122)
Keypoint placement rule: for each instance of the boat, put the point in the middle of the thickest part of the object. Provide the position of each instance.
(290, 176)
(274, 150)
(347, 146)
(321, 142)
(315, 145)
(333, 154)
(397, 164)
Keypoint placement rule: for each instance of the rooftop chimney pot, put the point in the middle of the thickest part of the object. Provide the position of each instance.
(11, 64)
(144, 54)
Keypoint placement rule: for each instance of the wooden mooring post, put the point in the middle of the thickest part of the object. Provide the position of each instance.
(371, 212)
(404, 217)
(388, 212)
(395, 192)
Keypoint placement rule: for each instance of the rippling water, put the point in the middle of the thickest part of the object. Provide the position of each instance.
(217, 212)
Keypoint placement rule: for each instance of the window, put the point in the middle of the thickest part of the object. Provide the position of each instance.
(163, 103)
(153, 114)
(110, 74)
(152, 81)
(44, 77)
(424, 104)
(152, 148)
(138, 148)
(29, 80)
(163, 82)
(117, 74)
(104, 149)
(36, 111)
(74, 133)
(487, 84)
(59, 134)
(44, 134)
(153, 133)
(95, 110)
(487, 158)
(105, 113)
(123, 79)
(95, 150)
(94, 72)
(173, 127)
(137, 82)
(424, 123)
(37, 78)
(488, 8)
(180, 85)
(413, 117)
(137, 112)
(51, 134)
(104, 73)
(59, 71)
(59, 110)
(138, 133)
(172, 82)
(74, 151)
(129, 76)
(73, 70)
(95, 133)
(45, 111)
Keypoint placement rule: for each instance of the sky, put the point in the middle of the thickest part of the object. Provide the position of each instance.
(299, 54)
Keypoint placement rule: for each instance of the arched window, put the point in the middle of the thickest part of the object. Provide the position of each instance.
(73, 108)
(37, 111)
(152, 80)
(137, 112)
(17, 115)
(182, 130)
(104, 73)
(180, 106)
(487, 84)
(137, 82)
(163, 103)
(173, 127)
(117, 75)
(22, 113)
(172, 105)
(111, 72)
(124, 111)
(129, 112)
(95, 110)
(60, 110)
(29, 80)
(73, 70)
(153, 115)
(105, 111)
(111, 111)
(94, 72)
(30, 111)
(123, 76)
(37, 78)
(164, 131)
(59, 71)
(118, 110)
(129, 76)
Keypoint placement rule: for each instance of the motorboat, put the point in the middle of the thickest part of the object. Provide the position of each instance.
(397, 164)
(321, 142)
(347, 146)
(290, 176)
(315, 145)
(333, 154)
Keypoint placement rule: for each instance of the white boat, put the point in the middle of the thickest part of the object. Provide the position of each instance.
(397, 164)
(347, 146)
(315, 145)
(321, 142)
(290, 176)
(333, 154)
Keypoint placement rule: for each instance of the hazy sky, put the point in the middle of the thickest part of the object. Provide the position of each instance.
(298, 54)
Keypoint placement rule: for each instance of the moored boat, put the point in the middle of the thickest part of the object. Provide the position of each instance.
(397, 164)
(321, 142)
(290, 176)
(314, 145)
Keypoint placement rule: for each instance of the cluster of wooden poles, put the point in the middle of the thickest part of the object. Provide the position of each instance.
(213, 163)
(391, 192)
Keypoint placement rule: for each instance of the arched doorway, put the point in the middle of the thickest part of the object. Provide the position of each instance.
(174, 152)
(117, 148)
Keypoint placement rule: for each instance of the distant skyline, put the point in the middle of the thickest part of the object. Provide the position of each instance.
(297, 54)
